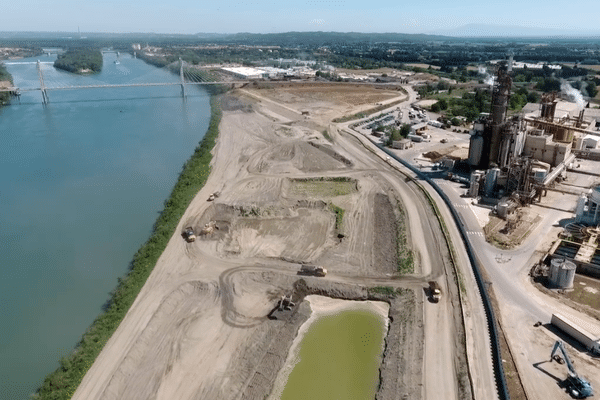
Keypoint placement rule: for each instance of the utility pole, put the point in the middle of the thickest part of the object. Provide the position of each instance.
(42, 85)
(182, 78)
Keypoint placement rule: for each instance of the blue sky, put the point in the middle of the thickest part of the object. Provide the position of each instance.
(265, 16)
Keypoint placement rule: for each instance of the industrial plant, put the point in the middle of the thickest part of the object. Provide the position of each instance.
(518, 159)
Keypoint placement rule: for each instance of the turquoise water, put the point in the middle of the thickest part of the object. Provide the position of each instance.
(81, 183)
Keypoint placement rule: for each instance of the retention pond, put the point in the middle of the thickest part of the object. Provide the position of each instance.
(337, 352)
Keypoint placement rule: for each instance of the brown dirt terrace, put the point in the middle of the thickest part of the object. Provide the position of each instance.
(200, 327)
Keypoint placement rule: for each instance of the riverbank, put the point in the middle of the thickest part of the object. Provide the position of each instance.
(6, 81)
(62, 383)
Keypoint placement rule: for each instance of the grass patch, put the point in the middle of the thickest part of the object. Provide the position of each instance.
(339, 219)
(62, 383)
(405, 256)
(324, 187)
(326, 135)
(385, 290)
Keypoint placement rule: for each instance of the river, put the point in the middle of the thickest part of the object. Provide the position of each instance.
(82, 180)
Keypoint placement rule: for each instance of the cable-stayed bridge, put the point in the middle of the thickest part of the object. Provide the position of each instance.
(187, 77)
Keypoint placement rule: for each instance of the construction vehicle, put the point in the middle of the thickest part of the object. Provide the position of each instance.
(188, 234)
(435, 291)
(286, 304)
(209, 228)
(577, 386)
(313, 270)
(213, 196)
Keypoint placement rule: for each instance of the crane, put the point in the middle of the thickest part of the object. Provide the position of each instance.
(577, 385)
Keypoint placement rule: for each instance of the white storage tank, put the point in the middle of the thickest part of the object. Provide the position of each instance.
(562, 273)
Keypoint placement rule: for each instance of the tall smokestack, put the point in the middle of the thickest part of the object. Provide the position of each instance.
(500, 97)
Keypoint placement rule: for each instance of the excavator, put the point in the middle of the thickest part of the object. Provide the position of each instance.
(577, 386)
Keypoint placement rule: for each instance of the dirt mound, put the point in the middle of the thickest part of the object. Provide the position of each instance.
(434, 156)
(274, 231)
(385, 243)
(297, 156)
(279, 236)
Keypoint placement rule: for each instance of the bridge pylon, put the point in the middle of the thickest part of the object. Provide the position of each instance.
(42, 85)
(183, 94)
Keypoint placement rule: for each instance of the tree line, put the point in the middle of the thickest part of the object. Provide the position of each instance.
(80, 60)
(4, 76)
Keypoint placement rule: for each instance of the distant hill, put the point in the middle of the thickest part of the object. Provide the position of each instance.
(321, 38)
(498, 31)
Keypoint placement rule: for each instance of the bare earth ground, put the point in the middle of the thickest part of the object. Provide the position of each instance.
(199, 327)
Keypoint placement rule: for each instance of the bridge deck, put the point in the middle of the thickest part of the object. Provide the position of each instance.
(12, 89)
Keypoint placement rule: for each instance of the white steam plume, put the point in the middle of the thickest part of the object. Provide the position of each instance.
(572, 94)
(488, 79)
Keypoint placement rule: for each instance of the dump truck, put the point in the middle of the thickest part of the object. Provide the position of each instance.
(313, 270)
(213, 196)
(188, 234)
(591, 342)
(435, 291)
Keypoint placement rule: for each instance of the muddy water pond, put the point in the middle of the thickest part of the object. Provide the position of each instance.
(337, 353)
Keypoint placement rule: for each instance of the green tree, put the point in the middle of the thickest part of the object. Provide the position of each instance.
(533, 97)
(591, 89)
(405, 130)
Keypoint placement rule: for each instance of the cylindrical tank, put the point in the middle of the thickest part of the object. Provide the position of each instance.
(580, 209)
(490, 180)
(475, 150)
(562, 273)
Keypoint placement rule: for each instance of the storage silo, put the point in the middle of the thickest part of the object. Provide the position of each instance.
(475, 150)
(562, 273)
(490, 180)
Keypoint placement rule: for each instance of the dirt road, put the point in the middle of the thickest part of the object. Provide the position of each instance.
(199, 327)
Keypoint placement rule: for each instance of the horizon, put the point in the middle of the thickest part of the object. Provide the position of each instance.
(457, 32)
(184, 17)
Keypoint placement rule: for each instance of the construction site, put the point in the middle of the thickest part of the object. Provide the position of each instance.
(297, 205)
(294, 206)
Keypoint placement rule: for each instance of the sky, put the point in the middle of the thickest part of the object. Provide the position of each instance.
(269, 16)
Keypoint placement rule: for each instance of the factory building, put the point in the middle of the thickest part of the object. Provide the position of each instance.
(517, 159)
(246, 72)
(588, 208)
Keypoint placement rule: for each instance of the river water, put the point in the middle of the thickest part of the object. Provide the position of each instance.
(82, 180)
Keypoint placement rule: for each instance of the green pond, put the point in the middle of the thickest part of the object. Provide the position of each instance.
(339, 358)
